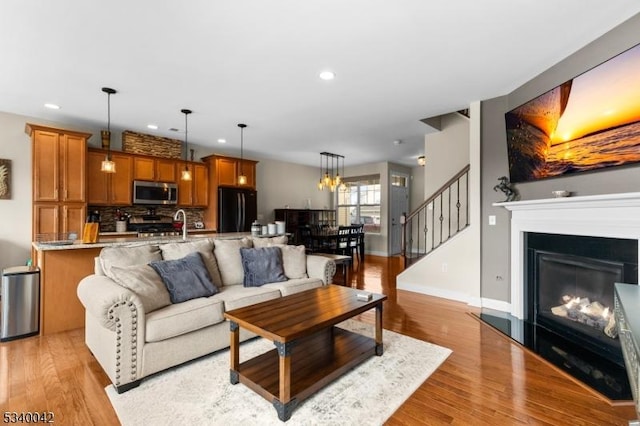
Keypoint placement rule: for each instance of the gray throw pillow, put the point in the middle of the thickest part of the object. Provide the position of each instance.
(262, 266)
(185, 278)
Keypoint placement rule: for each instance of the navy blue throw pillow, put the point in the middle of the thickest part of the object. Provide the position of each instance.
(186, 278)
(262, 265)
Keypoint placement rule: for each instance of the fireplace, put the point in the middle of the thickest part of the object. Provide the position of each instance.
(569, 287)
(566, 253)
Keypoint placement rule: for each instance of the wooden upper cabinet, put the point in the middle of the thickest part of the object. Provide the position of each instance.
(73, 150)
(46, 165)
(154, 169)
(200, 185)
(97, 180)
(249, 169)
(109, 188)
(121, 182)
(227, 171)
(144, 168)
(165, 170)
(59, 158)
(194, 192)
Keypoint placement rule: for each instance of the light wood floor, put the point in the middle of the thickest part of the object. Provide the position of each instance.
(486, 380)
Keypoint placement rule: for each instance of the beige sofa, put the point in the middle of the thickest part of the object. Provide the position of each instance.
(134, 330)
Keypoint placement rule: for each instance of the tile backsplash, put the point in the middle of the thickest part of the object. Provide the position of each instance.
(108, 215)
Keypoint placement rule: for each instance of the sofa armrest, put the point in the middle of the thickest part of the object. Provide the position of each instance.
(104, 300)
(321, 267)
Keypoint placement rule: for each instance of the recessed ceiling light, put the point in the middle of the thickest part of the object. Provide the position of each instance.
(397, 142)
(152, 126)
(52, 106)
(222, 141)
(173, 129)
(327, 75)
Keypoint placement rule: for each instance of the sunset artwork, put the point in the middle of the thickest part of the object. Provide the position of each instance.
(588, 123)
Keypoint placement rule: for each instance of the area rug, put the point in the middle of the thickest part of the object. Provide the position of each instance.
(199, 393)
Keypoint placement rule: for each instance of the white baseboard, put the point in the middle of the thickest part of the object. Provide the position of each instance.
(437, 292)
(498, 305)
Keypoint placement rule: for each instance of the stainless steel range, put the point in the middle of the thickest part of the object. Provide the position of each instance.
(151, 225)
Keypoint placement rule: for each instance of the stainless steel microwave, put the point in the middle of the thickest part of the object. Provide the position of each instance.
(154, 192)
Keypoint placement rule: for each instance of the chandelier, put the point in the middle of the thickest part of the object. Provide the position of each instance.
(331, 165)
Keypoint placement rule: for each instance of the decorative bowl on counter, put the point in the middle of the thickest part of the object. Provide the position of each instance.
(560, 194)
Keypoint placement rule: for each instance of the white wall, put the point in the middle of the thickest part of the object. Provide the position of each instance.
(280, 184)
(15, 214)
(417, 195)
(453, 270)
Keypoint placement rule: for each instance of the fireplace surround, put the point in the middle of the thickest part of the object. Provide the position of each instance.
(569, 222)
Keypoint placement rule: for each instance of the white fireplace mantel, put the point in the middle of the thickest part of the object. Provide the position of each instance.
(610, 215)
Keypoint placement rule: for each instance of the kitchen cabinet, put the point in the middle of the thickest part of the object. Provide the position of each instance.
(51, 218)
(59, 158)
(59, 180)
(154, 169)
(194, 192)
(113, 189)
(227, 169)
(224, 171)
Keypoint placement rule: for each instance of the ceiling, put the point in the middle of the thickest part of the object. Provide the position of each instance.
(257, 62)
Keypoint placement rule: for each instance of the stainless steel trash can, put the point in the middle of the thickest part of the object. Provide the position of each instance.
(19, 302)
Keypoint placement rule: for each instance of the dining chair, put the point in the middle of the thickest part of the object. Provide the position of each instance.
(357, 239)
(343, 241)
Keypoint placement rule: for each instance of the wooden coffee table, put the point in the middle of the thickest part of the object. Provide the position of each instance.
(310, 352)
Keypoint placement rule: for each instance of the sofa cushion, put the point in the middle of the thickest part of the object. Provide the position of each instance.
(145, 283)
(181, 318)
(269, 241)
(172, 251)
(262, 266)
(227, 254)
(185, 278)
(128, 256)
(295, 286)
(294, 260)
(237, 296)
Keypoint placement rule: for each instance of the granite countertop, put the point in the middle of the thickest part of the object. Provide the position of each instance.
(106, 240)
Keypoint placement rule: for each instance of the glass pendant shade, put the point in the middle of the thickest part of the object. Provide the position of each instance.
(108, 166)
(242, 180)
(186, 174)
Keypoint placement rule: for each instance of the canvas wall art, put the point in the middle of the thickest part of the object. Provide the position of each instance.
(5, 179)
(588, 123)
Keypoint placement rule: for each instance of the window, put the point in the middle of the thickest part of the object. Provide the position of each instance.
(359, 202)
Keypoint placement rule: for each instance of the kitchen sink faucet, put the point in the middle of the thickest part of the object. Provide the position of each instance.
(184, 222)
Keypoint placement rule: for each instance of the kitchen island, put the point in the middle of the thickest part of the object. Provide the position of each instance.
(62, 266)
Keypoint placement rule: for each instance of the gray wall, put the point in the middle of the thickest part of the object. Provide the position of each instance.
(495, 239)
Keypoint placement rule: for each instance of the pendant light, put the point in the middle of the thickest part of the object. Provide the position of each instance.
(186, 173)
(331, 178)
(108, 166)
(242, 179)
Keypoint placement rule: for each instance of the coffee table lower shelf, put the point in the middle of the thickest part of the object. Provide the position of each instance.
(315, 361)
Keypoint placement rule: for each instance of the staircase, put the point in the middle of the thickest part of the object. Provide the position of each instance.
(439, 218)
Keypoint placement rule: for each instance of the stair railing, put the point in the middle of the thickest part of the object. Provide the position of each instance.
(437, 219)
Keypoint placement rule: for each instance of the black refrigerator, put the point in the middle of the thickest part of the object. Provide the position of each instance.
(237, 209)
